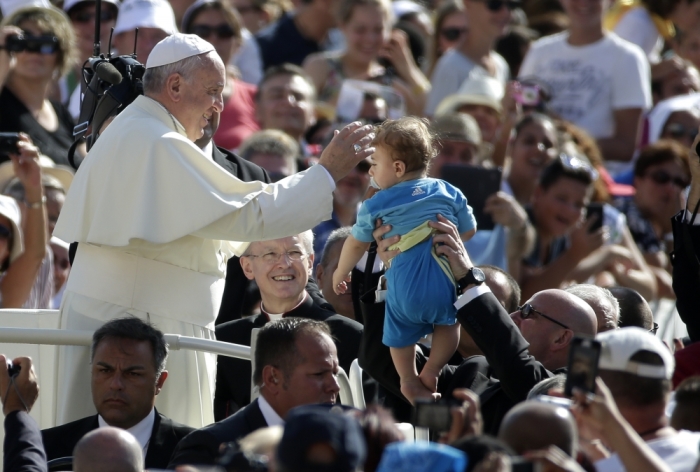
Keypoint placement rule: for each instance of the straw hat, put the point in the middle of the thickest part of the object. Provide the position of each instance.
(63, 174)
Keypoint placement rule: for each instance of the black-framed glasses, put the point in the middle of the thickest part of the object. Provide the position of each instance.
(578, 164)
(452, 34)
(654, 329)
(274, 257)
(527, 310)
(661, 177)
(223, 31)
(496, 5)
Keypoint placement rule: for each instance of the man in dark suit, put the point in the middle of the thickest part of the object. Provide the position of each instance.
(295, 364)
(282, 286)
(519, 349)
(22, 450)
(128, 371)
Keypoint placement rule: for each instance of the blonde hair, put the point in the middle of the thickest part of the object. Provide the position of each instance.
(347, 7)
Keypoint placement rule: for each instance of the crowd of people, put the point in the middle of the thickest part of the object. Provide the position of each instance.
(451, 192)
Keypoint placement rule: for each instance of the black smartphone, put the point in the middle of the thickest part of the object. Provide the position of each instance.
(477, 184)
(595, 210)
(435, 416)
(583, 365)
(8, 143)
(519, 464)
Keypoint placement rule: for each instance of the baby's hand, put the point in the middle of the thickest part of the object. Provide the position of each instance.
(340, 285)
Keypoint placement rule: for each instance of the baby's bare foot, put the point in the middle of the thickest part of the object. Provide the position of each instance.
(429, 379)
(415, 389)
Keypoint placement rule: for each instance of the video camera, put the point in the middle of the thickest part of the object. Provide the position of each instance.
(110, 84)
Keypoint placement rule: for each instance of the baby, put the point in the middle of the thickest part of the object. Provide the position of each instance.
(420, 284)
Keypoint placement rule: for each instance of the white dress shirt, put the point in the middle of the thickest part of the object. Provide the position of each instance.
(270, 415)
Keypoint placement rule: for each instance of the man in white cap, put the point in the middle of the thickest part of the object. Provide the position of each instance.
(154, 19)
(155, 218)
(637, 368)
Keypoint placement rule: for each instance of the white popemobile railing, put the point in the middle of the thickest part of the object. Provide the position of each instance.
(34, 333)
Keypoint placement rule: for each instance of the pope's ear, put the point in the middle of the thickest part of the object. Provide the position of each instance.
(173, 87)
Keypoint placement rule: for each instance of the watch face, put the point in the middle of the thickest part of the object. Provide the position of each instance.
(478, 274)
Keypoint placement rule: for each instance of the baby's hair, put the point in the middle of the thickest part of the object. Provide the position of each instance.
(408, 139)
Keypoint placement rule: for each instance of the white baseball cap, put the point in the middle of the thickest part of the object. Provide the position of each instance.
(620, 345)
(177, 47)
(10, 210)
(145, 14)
(9, 6)
(68, 4)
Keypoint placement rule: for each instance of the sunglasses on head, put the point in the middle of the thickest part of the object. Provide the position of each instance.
(496, 5)
(89, 16)
(654, 329)
(662, 178)
(578, 164)
(678, 131)
(527, 310)
(223, 31)
(452, 34)
(5, 232)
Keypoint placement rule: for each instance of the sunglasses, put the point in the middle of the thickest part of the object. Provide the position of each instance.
(5, 232)
(45, 44)
(88, 16)
(527, 310)
(496, 5)
(678, 131)
(223, 31)
(654, 329)
(363, 166)
(452, 34)
(662, 178)
(578, 164)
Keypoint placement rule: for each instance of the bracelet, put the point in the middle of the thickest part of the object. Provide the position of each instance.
(36, 205)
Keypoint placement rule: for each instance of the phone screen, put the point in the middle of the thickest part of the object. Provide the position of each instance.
(595, 210)
(583, 365)
(432, 415)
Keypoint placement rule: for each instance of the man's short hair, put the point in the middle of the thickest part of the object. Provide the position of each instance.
(155, 78)
(276, 345)
(634, 309)
(288, 70)
(662, 151)
(544, 386)
(338, 236)
(306, 239)
(273, 142)
(513, 301)
(137, 330)
(589, 293)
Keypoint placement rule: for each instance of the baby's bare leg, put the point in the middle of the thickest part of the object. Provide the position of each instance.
(411, 386)
(445, 342)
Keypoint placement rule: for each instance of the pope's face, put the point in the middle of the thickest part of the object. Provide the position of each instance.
(202, 96)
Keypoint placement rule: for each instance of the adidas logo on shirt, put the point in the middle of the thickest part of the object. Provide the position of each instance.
(418, 191)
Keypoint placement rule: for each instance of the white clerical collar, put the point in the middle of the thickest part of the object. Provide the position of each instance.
(270, 415)
(141, 431)
(277, 316)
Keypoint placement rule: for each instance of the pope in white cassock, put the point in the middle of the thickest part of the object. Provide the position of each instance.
(156, 219)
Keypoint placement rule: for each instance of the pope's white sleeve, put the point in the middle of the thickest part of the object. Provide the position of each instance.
(288, 207)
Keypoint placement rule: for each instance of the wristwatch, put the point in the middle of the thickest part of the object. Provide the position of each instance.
(475, 276)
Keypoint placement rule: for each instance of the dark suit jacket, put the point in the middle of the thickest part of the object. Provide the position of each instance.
(506, 358)
(60, 441)
(233, 375)
(201, 447)
(23, 450)
(686, 273)
(236, 281)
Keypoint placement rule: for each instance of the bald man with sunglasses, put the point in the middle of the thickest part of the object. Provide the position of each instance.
(520, 349)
